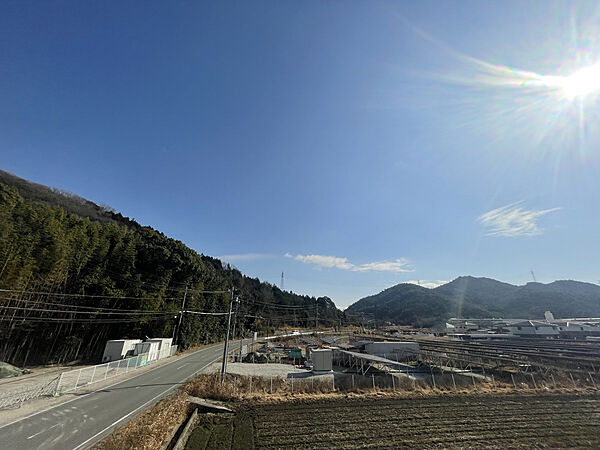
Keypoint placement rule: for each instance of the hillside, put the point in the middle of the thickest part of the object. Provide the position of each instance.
(74, 274)
(408, 304)
(404, 304)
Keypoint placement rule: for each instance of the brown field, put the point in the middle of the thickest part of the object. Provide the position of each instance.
(491, 421)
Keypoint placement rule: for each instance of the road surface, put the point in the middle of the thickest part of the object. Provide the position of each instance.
(81, 422)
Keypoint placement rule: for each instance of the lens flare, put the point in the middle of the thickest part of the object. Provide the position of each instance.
(582, 83)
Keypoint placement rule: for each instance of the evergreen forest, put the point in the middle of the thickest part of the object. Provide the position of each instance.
(74, 275)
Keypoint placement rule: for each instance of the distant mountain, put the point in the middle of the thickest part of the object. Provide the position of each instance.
(409, 304)
(406, 304)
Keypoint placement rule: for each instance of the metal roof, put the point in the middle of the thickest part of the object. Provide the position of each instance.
(359, 343)
(372, 358)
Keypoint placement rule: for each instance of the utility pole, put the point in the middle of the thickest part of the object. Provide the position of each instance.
(235, 321)
(316, 316)
(226, 346)
(181, 316)
(235, 318)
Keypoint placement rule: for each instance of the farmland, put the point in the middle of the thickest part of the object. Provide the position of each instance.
(492, 421)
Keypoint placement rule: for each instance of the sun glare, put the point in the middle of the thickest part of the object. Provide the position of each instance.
(582, 83)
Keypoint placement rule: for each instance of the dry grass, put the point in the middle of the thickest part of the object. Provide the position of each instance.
(151, 429)
(239, 388)
(245, 387)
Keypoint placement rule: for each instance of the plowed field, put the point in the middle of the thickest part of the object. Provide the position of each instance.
(557, 421)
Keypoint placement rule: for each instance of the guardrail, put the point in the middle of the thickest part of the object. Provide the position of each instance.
(73, 379)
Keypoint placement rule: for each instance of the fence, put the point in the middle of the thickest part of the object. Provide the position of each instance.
(17, 397)
(448, 381)
(73, 379)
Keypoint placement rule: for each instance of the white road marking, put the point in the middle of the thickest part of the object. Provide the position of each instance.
(183, 365)
(142, 406)
(43, 431)
(106, 387)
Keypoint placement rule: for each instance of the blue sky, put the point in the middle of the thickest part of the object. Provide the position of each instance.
(351, 145)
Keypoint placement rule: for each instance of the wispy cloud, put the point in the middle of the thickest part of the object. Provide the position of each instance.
(244, 257)
(427, 284)
(512, 220)
(325, 261)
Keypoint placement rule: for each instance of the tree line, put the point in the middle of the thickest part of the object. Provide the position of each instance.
(69, 282)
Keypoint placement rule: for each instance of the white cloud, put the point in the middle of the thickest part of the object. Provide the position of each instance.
(512, 220)
(244, 257)
(396, 265)
(427, 284)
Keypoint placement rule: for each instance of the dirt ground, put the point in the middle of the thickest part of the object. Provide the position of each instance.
(260, 370)
(444, 421)
(39, 375)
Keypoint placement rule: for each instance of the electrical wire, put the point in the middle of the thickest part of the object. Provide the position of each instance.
(112, 297)
(207, 313)
(22, 308)
(74, 320)
(274, 305)
(93, 308)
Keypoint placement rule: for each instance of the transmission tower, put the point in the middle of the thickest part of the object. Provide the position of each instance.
(533, 276)
(281, 286)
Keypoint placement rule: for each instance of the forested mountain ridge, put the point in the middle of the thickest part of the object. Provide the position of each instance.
(74, 274)
(409, 304)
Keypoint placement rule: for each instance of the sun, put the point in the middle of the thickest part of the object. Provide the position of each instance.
(581, 83)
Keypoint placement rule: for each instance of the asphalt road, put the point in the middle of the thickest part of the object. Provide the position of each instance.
(81, 422)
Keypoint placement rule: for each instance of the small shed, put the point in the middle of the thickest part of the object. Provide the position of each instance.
(149, 347)
(322, 359)
(163, 346)
(118, 349)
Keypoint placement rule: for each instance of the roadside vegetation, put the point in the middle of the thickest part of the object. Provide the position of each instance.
(152, 429)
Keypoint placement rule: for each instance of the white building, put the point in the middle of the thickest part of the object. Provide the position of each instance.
(119, 349)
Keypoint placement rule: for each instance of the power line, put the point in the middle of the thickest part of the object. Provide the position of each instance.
(23, 308)
(207, 313)
(67, 305)
(274, 305)
(105, 311)
(283, 319)
(203, 292)
(111, 297)
(74, 320)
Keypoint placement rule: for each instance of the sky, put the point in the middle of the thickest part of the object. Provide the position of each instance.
(352, 145)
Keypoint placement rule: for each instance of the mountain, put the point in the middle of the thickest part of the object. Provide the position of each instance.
(74, 274)
(408, 304)
(404, 304)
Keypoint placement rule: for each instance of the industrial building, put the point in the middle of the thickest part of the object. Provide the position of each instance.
(496, 328)
(531, 328)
